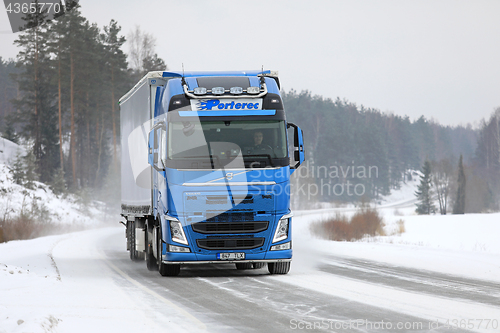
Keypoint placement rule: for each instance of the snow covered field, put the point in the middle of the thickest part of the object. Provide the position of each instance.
(465, 245)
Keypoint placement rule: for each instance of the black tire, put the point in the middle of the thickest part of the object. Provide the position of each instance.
(244, 265)
(169, 269)
(134, 255)
(165, 269)
(278, 267)
(131, 237)
(258, 265)
(127, 234)
(151, 263)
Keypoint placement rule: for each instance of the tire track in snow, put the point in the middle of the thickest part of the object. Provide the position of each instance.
(427, 282)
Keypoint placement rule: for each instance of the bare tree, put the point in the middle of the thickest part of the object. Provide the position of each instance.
(442, 180)
(142, 55)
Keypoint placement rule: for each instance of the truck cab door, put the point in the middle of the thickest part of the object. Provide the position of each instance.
(157, 158)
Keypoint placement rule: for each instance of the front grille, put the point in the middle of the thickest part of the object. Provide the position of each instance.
(229, 217)
(216, 200)
(224, 199)
(230, 244)
(229, 227)
(242, 200)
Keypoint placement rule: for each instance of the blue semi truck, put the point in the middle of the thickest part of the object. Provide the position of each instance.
(206, 159)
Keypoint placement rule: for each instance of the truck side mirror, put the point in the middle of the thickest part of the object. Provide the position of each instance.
(298, 146)
(157, 145)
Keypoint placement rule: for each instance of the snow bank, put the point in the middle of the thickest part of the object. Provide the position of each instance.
(465, 245)
(48, 207)
(8, 151)
(68, 210)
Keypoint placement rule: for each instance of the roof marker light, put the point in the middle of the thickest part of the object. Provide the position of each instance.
(236, 90)
(218, 90)
(253, 90)
(200, 91)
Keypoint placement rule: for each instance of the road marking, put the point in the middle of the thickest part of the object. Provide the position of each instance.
(156, 295)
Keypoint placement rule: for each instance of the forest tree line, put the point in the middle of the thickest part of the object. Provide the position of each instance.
(339, 135)
(60, 95)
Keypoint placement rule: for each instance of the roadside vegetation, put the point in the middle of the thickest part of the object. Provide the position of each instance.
(30, 209)
(365, 222)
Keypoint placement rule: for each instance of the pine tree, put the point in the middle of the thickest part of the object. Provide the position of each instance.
(23, 170)
(459, 206)
(57, 36)
(116, 67)
(8, 89)
(9, 132)
(30, 170)
(153, 63)
(424, 192)
(35, 107)
(58, 185)
(17, 169)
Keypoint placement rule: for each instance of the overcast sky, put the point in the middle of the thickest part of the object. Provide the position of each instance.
(437, 58)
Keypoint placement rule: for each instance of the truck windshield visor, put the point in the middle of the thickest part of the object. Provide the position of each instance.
(256, 143)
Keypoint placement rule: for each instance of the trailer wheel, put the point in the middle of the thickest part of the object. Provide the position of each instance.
(151, 263)
(244, 265)
(257, 265)
(131, 237)
(278, 267)
(165, 269)
(134, 254)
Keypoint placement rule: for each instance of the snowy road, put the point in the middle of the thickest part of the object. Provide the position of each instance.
(224, 299)
(85, 282)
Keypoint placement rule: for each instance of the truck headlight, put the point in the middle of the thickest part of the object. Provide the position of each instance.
(281, 232)
(177, 232)
(173, 248)
(284, 246)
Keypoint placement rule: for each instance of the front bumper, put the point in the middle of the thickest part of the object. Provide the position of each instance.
(224, 261)
(197, 258)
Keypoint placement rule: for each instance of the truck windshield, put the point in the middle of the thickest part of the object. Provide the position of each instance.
(258, 143)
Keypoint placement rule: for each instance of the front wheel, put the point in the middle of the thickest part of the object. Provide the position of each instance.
(258, 265)
(165, 269)
(151, 263)
(243, 265)
(169, 269)
(278, 267)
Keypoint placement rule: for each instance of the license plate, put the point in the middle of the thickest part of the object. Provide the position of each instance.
(231, 256)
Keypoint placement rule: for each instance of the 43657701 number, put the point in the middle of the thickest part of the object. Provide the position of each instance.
(32, 8)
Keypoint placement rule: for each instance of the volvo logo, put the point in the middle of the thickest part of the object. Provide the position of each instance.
(227, 176)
